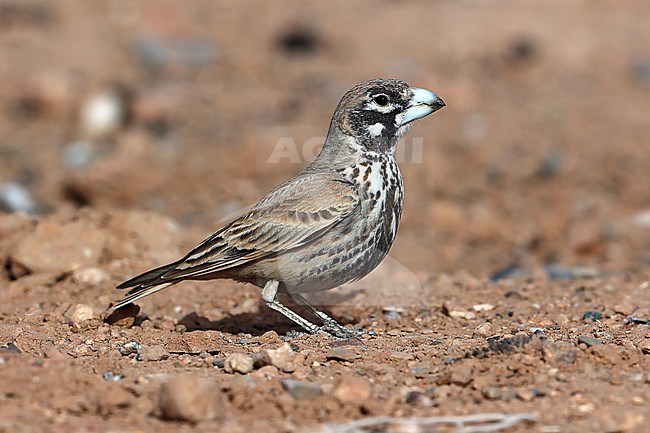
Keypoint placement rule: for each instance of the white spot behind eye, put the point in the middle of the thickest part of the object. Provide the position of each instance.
(376, 129)
(380, 108)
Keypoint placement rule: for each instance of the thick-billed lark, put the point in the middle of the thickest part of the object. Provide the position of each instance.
(331, 224)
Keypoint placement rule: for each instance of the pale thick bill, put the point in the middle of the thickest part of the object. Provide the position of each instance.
(423, 102)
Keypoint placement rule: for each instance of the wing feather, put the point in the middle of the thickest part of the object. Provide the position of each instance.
(287, 218)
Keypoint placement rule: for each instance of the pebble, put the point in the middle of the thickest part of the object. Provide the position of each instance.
(561, 319)
(90, 277)
(284, 358)
(392, 312)
(130, 348)
(191, 398)
(527, 394)
(342, 354)
(79, 314)
(491, 392)
(483, 330)
(462, 315)
(109, 375)
(80, 153)
(10, 348)
(238, 363)
(124, 317)
(483, 307)
(267, 372)
(416, 398)
(14, 197)
(559, 352)
(644, 347)
(301, 389)
(461, 375)
(153, 353)
(606, 353)
(353, 390)
(592, 315)
(624, 309)
(588, 341)
(102, 113)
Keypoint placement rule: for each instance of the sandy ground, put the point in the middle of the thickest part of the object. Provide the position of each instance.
(520, 279)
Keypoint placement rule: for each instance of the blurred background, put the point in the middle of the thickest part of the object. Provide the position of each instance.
(542, 155)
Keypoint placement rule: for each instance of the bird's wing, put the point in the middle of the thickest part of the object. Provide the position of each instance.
(289, 217)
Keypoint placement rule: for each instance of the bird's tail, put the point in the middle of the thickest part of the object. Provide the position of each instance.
(144, 285)
(138, 293)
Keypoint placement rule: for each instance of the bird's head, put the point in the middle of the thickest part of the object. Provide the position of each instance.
(374, 115)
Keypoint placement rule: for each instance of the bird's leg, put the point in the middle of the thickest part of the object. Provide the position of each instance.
(329, 324)
(270, 296)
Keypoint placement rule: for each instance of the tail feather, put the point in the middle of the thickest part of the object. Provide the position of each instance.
(144, 285)
(138, 293)
(149, 278)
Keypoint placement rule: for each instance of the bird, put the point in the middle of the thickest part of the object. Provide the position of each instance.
(331, 224)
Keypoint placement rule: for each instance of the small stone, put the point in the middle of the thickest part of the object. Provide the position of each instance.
(559, 352)
(79, 314)
(191, 398)
(644, 347)
(461, 375)
(153, 353)
(10, 348)
(588, 341)
(491, 392)
(526, 394)
(91, 277)
(624, 309)
(103, 113)
(416, 398)
(606, 353)
(483, 330)
(130, 348)
(469, 315)
(267, 372)
(269, 337)
(14, 197)
(353, 390)
(302, 389)
(124, 317)
(592, 315)
(238, 363)
(561, 319)
(80, 153)
(284, 358)
(483, 307)
(342, 354)
(111, 376)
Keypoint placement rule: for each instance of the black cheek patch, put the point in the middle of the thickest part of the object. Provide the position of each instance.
(362, 119)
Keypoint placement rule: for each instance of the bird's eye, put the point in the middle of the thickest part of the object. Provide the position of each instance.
(381, 100)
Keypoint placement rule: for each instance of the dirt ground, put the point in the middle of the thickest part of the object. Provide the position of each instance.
(519, 283)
